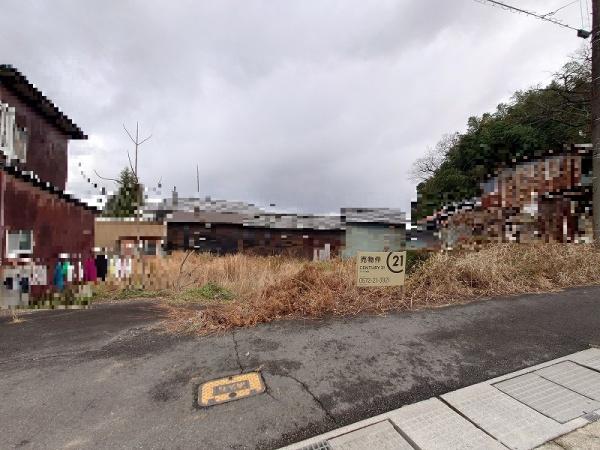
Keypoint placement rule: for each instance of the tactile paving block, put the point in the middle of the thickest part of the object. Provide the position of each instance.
(575, 377)
(551, 399)
(380, 436)
(511, 422)
(432, 425)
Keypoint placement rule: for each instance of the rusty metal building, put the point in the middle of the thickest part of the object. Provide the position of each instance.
(38, 220)
(308, 237)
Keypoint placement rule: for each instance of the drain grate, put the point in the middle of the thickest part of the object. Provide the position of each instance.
(321, 445)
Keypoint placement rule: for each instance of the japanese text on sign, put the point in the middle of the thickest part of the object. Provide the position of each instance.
(380, 268)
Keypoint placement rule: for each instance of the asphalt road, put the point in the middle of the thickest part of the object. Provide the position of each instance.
(109, 378)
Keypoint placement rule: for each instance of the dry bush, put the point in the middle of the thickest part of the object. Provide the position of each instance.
(502, 269)
(270, 288)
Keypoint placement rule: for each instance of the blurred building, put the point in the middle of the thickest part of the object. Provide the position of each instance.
(224, 227)
(38, 220)
(546, 199)
(373, 230)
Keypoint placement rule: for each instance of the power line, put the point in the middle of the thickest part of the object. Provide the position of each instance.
(524, 11)
(563, 7)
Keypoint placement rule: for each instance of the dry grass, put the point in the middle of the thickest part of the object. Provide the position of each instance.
(15, 317)
(263, 289)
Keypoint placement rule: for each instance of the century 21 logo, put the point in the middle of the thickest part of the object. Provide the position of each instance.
(395, 262)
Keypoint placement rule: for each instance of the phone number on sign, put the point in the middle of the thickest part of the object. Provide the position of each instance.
(374, 280)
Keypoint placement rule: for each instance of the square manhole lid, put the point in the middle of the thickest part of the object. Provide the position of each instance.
(230, 388)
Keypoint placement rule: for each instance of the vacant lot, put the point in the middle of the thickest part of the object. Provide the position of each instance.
(205, 293)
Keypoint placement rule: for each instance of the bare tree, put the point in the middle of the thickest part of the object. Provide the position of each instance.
(136, 143)
(426, 166)
(133, 166)
(137, 185)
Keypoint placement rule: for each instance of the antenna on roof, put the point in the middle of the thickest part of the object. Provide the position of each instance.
(198, 178)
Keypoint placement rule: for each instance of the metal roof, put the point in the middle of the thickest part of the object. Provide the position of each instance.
(374, 215)
(15, 82)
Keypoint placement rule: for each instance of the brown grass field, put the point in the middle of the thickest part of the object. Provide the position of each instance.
(208, 293)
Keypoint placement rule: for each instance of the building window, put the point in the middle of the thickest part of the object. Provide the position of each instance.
(7, 130)
(20, 144)
(19, 242)
(150, 247)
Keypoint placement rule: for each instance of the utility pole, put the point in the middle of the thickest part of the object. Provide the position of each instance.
(596, 119)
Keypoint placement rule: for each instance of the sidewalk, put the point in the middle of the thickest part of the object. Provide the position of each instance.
(542, 404)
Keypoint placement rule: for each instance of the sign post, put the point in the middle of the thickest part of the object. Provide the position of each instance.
(380, 268)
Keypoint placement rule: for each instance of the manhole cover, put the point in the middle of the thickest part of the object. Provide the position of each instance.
(230, 388)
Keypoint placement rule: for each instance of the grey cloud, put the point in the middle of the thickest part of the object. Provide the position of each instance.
(298, 103)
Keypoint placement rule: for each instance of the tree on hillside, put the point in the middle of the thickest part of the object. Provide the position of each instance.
(535, 120)
(124, 202)
(427, 165)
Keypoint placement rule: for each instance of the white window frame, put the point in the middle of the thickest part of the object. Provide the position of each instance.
(18, 252)
(7, 129)
(9, 132)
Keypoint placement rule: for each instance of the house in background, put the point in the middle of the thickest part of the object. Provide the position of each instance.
(307, 237)
(304, 236)
(548, 199)
(223, 227)
(38, 220)
(373, 230)
(129, 236)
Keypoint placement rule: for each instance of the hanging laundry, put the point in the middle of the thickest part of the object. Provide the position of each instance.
(39, 276)
(8, 283)
(118, 267)
(70, 270)
(101, 267)
(89, 270)
(24, 285)
(128, 263)
(59, 276)
(111, 267)
(80, 271)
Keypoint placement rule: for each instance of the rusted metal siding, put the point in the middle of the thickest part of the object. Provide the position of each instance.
(232, 238)
(59, 226)
(47, 146)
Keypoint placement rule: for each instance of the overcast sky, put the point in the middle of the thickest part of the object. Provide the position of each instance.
(311, 105)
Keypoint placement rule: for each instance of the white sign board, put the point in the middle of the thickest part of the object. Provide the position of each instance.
(380, 268)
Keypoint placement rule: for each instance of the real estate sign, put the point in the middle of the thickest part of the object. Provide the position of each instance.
(380, 268)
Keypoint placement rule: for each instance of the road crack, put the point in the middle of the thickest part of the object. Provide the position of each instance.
(314, 397)
(237, 353)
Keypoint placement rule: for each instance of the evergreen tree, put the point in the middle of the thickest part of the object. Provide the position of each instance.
(125, 202)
